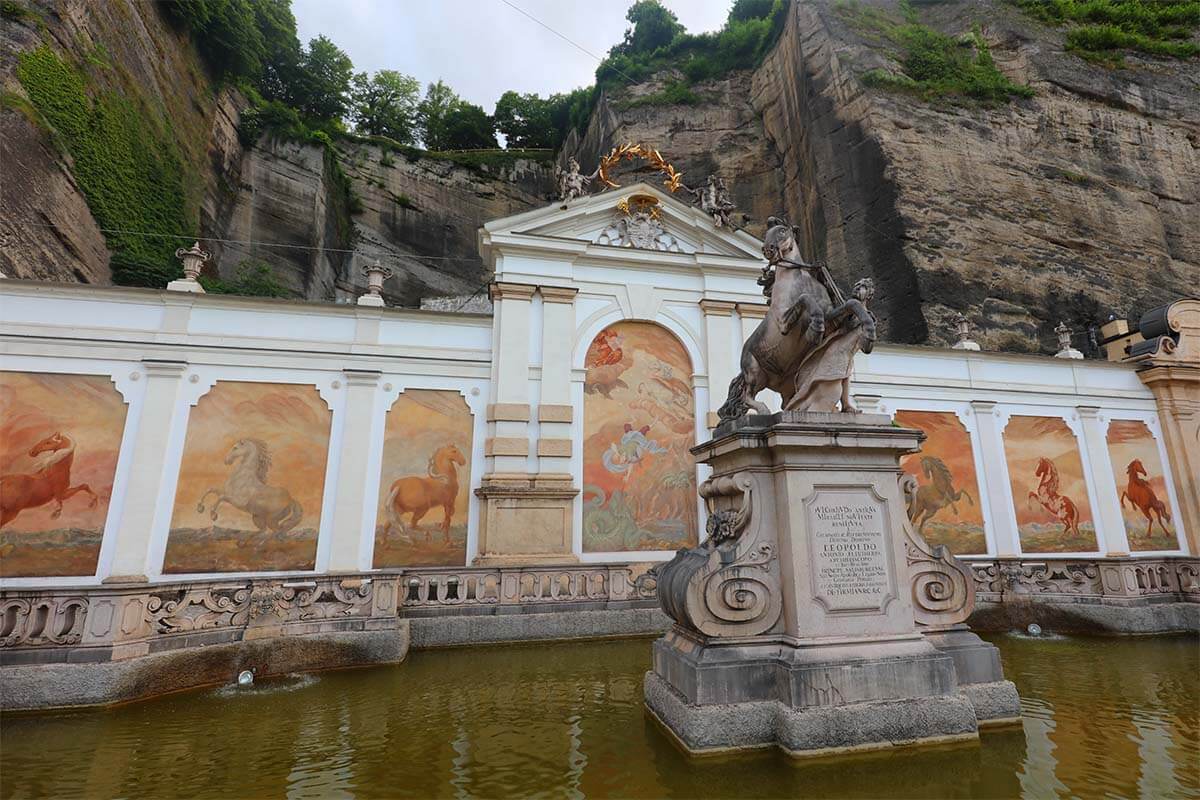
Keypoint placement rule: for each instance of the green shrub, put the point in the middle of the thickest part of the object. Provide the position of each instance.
(252, 278)
(1102, 30)
(933, 65)
(126, 162)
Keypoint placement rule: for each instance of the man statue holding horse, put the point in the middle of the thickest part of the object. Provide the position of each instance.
(804, 348)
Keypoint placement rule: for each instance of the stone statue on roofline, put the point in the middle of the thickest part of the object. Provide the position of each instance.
(572, 184)
(804, 347)
(715, 201)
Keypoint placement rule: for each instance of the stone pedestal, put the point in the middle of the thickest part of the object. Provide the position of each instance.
(813, 617)
(525, 520)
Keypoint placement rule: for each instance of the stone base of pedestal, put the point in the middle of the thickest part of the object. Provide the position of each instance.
(814, 731)
(980, 675)
(807, 697)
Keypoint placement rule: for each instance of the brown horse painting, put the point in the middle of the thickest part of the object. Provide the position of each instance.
(416, 495)
(936, 495)
(52, 482)
(1061, 506)
(1141, 495)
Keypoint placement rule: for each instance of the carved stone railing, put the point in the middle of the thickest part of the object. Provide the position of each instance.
(116, 622)
(565, 585)
(123, 621)
(1113, 579)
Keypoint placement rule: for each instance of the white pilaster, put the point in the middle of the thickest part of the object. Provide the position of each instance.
(555, 412)
(1110, 527)
(363, 424)
(507, 446)
(718, 336)
(994, 477)
(163, 380)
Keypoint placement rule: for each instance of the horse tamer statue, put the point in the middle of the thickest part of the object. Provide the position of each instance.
(804, 348)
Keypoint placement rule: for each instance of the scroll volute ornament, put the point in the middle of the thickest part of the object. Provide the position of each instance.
(729, 584)
(943, 588)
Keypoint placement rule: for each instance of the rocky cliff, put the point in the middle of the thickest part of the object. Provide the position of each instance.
(315, 214)
(1078, 201)
(1081, 200)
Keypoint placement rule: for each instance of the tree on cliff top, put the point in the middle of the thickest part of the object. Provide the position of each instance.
(386, 105)
(654, 26)
(448, 122)
(322, 86)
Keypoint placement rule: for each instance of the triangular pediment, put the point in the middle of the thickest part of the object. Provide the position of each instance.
(603, 220)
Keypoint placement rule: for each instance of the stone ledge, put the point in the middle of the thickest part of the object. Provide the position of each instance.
(1087, 617)
(47, 686)
(458, 631)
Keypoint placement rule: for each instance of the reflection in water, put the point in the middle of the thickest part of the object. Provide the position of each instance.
(1116, 717)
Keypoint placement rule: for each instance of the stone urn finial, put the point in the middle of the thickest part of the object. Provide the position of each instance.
(962, 329)
(1064, 343)
(376, 274)
(193, 262)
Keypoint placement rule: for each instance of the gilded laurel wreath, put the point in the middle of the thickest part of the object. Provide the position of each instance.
(673, 181)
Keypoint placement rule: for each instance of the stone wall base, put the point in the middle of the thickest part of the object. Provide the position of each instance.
(46, 686)
(1081, 616)
(459, 631)
(816, 731)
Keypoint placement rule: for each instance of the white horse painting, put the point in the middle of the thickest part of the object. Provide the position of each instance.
(270, 507)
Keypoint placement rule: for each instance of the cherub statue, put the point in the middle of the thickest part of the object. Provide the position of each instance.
(571, 183)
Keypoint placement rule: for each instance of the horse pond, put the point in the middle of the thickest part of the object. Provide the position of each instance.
(1100, 717)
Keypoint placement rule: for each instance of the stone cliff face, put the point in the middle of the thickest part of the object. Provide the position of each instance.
(417, 215)
(1080, 201)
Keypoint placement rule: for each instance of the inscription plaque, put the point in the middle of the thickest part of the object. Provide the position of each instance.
(849, 548)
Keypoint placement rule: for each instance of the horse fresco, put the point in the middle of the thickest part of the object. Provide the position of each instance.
(425, 469)
(51, 482)
(251, 487)
(270, 507)
(1049, 486)
(1047, 494)
(1141, 496)
(932, 497)
(1141, 481)
(417, 495)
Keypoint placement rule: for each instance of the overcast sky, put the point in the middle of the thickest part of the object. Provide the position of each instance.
(482, 48)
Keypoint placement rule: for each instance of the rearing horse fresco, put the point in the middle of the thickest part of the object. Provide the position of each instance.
(416, 495)
(936, 495)
(52, 482)
(1141, 495)
(1047, 495)
(810, 371)
(270, 507)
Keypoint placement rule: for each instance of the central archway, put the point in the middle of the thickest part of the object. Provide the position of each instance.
(639, 481)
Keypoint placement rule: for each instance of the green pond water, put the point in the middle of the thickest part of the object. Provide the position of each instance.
(1102, 718)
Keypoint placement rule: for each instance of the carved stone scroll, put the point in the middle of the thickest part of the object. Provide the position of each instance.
(729, 584)
(943, 588)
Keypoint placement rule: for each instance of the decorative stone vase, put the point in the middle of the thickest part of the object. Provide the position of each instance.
(813, 617)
